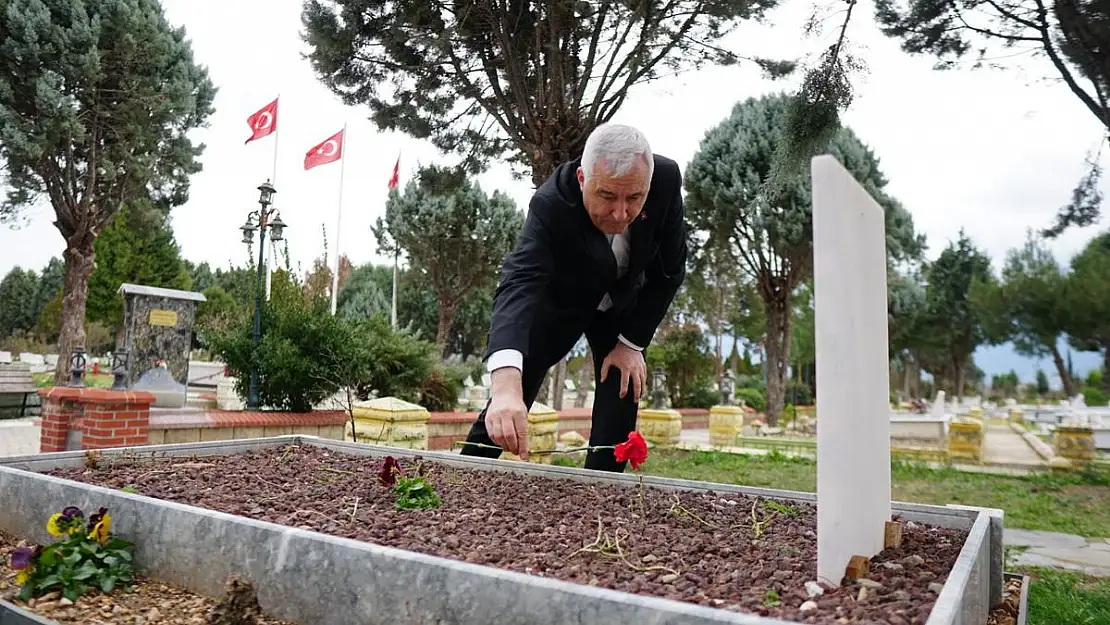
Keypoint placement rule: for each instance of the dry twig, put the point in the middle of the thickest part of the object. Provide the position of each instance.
(610, 546)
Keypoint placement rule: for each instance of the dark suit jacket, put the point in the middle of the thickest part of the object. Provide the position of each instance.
(562, 265)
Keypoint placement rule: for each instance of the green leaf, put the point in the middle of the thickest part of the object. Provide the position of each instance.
(107, 583)
(87, 570)
(73, 593)
(50, 580)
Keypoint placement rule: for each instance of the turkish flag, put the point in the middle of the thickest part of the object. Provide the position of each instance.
(263, 122)
(327, 151)
(396, 174)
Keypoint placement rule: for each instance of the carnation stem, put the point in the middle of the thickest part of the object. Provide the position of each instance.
(537, 452)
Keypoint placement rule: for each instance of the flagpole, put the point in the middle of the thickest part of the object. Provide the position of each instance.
(338, 225)
(396, 255)
(394, 316)
(273, 181)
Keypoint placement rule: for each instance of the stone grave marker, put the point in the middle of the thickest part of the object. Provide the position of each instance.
(158, 330)
(938, 406)
(850, 304)
(168, 392)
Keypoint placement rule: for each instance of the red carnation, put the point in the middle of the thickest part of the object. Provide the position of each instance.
(634, 450)
(390, 471)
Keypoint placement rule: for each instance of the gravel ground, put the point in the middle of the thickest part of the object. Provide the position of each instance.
(149, 603)
(721, 550)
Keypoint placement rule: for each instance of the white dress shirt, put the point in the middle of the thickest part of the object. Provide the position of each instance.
(513, 358)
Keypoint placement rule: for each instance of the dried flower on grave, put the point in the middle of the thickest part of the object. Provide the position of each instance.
(390, 470)
(634, 450)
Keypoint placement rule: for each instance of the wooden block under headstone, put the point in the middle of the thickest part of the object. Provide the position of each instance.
(892, 537)
(858, 568)
(850, 308)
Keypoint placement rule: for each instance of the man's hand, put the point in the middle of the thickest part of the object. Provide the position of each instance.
(632, 368)
(507, 416)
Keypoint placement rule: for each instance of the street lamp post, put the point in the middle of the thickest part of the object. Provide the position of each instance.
(260, 220)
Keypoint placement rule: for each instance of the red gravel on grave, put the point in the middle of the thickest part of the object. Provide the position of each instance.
(726, 551)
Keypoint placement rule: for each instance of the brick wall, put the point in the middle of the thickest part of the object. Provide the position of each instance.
(105, 418)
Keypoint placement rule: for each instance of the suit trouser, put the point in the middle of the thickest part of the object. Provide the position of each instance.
(613, 417)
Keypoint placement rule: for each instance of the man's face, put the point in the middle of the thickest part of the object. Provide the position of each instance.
(614, 201)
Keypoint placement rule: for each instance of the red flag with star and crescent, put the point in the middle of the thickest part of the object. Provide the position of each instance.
(263, 122)
(327, 151)
(395, 178)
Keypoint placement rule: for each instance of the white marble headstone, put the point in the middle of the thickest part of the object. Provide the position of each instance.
(853, 441)
(938, 406)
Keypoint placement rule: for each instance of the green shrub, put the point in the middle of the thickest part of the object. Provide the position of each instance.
(440, 390)
(752, 397)
(307, 354)
(750, 381)
(1095, 396)
(702, 397)
(798, 393)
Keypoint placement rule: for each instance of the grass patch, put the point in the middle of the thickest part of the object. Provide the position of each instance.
(1059, 597)
(98, 380)
(1074, 503)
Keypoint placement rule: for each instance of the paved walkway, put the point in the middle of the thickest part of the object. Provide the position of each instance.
(1059, 551)
(18, 437)
(1003, 446)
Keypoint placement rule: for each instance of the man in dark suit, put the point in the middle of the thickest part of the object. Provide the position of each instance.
(602, 252)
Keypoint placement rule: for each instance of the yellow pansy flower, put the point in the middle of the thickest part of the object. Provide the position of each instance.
(100, 531)
(52, 525)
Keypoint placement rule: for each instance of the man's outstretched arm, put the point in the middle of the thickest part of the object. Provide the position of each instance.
(522, 290)
(517, 300)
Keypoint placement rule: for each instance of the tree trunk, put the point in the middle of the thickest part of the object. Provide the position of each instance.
(1062, 369)
(958, 378)
(79, 266)
(1106, 367)
(584, 377)
(718, 356)
(558, 385)
(443, 327)
(775, 344)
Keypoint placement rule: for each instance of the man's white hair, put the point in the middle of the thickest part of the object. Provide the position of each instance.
(618, 148)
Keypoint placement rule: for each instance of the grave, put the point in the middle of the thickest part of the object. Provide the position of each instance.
(158, 335)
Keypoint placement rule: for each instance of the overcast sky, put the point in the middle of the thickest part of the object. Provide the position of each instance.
(992, 152)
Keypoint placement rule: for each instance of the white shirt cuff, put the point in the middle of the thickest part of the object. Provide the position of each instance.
(505, 358)
(628, 343)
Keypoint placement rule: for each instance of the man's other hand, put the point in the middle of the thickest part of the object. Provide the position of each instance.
(507, 416)
(632, 367)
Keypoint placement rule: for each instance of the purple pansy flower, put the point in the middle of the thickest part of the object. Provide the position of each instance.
(21, 558)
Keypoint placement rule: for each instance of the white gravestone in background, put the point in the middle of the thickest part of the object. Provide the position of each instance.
(938, 406)
(853, 433)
